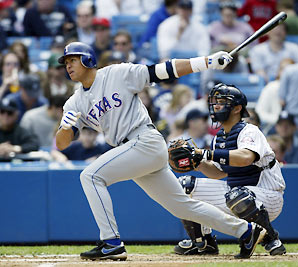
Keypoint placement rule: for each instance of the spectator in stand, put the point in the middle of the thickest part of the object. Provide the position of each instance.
(56, 82)
(253, 117)
(286, 128)
(196, 128)
(288, 90)
(13, 138)
(268, 105)
(102, 29)
(21, 7)
(181, 96)
(265, 58)
(8, 17)
(43, 120)
(278, 146)
(58, 44)
(153, 112)
(10, 67)
(122, 42)
(181, 33)
(166, 10)
(3, 41)
(228, 31)
(110, 8)
(29, 96)
(110, 57)
(84, 31)
(47, 18)
(258, 12)
(287, 6)
(85, 148)
(22, 51)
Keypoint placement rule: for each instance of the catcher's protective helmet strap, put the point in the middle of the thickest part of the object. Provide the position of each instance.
(233, 97)
(88, 57)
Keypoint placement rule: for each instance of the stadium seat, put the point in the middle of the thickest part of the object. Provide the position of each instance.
(212, 12)
(192, 80)
(250, 84)
(135, 25)
(70, 5)
(292, 38)
(38, 49)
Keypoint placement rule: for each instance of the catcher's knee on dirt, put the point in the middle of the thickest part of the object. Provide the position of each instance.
(188, 183)
(242, 202)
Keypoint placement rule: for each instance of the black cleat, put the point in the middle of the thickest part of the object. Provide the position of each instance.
(104, 251)
(206, 247)
(275, 247)
(247, 246)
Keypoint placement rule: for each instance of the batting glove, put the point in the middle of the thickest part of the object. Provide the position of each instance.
(213, 60)
(69, 119)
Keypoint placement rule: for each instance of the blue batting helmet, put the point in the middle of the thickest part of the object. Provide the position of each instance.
(233, 97)
(88, 57)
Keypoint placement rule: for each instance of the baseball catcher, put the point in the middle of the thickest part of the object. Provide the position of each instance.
(253, 189)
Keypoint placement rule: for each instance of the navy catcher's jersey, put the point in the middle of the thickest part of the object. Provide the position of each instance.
(249, 136)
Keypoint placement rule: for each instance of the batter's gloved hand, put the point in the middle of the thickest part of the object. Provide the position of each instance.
(69, 119)
(182, 156)
(213, 60)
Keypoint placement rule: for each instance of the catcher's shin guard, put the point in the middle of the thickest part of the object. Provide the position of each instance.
(200, 243)
(242, 203)
(194, 230)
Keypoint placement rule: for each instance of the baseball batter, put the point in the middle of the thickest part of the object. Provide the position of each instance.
(108, 102)
(254, 186)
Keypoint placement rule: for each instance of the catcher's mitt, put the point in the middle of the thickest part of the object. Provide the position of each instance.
(182, 156)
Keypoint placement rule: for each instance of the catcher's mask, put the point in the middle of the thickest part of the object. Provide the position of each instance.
(228, 96)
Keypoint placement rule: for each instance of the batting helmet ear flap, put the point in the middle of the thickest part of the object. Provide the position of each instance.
(88, 61)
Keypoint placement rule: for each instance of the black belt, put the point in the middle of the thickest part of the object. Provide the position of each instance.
(125, 140)
(269, 166)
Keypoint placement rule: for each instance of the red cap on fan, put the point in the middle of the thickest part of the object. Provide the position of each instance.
(101, 22)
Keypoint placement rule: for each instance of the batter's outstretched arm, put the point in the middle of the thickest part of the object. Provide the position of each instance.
(198, 64)
(176, 68)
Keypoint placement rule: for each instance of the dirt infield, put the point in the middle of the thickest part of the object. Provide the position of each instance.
(136, 260)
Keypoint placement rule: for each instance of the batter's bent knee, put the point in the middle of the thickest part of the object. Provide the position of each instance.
(87, 177)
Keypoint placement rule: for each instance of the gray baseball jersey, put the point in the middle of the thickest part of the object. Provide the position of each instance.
(112, 106)
(104, 107)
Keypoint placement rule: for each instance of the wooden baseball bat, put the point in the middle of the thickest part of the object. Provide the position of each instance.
(268, 26)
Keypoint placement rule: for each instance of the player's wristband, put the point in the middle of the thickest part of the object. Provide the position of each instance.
(222, 156)
(207, 154)
(198, 64)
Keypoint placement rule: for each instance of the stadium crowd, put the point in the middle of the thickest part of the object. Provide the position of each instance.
(34, 86)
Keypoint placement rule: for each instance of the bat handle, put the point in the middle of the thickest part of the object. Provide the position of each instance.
(221, 60)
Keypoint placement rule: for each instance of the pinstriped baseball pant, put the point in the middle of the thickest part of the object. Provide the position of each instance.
(212, 191)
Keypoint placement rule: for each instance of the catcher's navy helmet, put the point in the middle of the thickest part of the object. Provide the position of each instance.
(88, 57)
(233, 97)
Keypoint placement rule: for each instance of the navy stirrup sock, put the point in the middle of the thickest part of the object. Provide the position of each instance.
(247, 233)
(113, 242)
